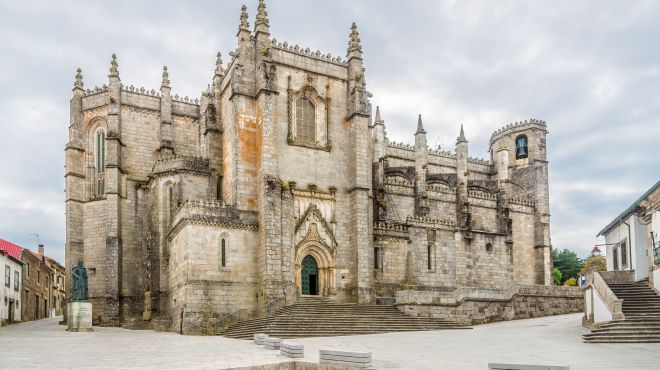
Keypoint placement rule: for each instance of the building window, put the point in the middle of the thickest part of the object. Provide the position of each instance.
(223, 256)
(377, 258)
(489, 247)
(521, 147)
(305, 120)
(7, 275)
(429, 257)
(624, 253)
(17, 280)
(27, 269)
(38, 276)
(100, 151)
(615, 259)
(99, 161)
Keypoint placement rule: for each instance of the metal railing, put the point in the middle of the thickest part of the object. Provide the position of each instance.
(656, 252)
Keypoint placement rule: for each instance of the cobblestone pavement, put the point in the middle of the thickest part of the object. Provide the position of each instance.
(550, 340)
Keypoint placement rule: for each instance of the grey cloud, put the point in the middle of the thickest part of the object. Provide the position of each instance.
(591, 69)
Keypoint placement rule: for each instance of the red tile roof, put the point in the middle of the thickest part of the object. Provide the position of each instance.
(11, 248)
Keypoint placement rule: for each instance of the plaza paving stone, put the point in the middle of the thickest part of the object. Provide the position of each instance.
(550, 340)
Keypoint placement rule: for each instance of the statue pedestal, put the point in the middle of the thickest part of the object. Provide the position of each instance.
(79, 316)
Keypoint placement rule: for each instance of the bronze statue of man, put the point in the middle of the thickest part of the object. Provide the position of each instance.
(79, 274)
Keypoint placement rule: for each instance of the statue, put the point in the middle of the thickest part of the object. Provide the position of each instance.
(79, 274)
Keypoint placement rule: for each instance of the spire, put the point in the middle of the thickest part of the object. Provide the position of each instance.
(420, 128)
(114, 72)
(218, 65)
(354, 47)
(261, 22)
(78, 83)
(244, 25)
(166, 78)
(378, 120)
(461, 137)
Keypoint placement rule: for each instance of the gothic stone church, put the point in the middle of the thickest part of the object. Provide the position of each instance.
(280, 181)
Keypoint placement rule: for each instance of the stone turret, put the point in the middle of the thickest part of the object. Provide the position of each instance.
(166, 149)
(462, 178)
(358, 95)
(379, 138)
(261, 24)
(113, 176)
(421, 162)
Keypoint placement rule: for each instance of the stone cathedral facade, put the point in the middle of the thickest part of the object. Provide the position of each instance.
(279, 181)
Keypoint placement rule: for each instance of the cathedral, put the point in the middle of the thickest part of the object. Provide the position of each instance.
(279, 181)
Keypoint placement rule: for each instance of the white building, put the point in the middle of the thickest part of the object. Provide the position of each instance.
(632, 238)
(11, 269)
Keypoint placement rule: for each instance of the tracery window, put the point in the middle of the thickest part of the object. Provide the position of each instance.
(305, 120)
(308, 117)
(521, 147)
(99, 161)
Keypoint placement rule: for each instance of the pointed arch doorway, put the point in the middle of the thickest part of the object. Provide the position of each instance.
(309, 276)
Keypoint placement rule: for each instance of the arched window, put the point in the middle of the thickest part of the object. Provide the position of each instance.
(305, 120)
(100, 151)
(223, 257)
(521, 147)
(99, 161)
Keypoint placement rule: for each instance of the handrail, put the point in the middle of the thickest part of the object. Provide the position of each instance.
(272, 303)
(614, 304)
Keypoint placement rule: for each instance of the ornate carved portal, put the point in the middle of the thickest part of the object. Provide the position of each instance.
(315, 260)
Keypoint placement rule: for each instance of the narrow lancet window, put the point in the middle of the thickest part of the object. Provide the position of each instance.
(521, 147)
(223, 257)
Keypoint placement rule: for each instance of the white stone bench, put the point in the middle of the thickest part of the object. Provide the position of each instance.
(350, 359)
(292, 350)
(272, 343)
(260, 338)
(492, 366)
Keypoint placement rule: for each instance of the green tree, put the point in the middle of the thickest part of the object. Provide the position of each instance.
(556, 276)
(594, 262)
(571, 282)
(567, 262)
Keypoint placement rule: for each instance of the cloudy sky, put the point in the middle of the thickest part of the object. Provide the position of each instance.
(591, 69)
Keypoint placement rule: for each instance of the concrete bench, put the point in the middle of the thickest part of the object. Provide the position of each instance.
(272, 343)
(350, 359)
(524, 367)
(260, 338)
(292, 350)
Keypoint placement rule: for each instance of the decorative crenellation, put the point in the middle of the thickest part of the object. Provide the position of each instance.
(397, 181)
(197, 165)
(404, 146)
(308, 52)
(140, 90)
(518, 125)
(440, 188)
(479, 161)
(481, 194)
(96, 90)
(429, 220)
(382, 226)
(185, 99)
(442, 153)
(212, 213)
(522, 201)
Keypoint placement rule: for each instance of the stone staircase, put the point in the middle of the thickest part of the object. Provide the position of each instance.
(321, 317)
(641, 307)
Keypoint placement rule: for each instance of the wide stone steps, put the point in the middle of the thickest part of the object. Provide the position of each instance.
(641, 307)
(320, 317)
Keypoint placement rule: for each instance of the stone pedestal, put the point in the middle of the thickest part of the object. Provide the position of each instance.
(79, 316)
